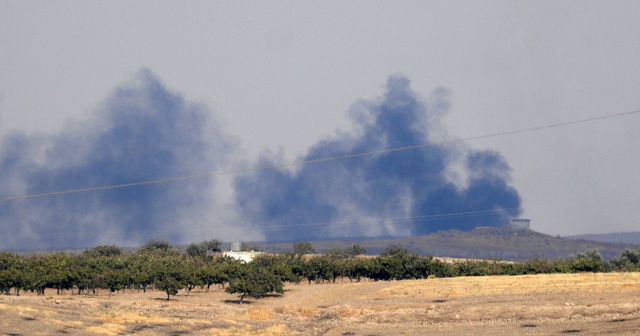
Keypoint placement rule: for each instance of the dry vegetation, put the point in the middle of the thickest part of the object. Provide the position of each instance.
(584, 304)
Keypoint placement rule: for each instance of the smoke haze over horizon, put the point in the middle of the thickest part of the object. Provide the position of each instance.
(278, 77)
(382, 195)
(141, 132)
(145, 132)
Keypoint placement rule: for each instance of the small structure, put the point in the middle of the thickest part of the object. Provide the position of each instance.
(236, 253)
(521, 224)
(236, 246)
(245, 256)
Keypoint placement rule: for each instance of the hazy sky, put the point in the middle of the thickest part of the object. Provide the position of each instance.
(281, 76)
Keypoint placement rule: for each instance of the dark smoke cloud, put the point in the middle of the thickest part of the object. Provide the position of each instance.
(141, 132)
(144, 132)
(356, 197)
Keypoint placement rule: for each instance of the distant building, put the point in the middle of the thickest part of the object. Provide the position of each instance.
(236, 253)
(521, 224)
(245, 256)
(236, 246)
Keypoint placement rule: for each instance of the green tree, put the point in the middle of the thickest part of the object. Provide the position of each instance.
(191, 270)
(629, 260)
(116, 273)
(90, 268)
(280, 265)
(169, 275)
(256, 282)
(143, 268)
(158, 247)
(53, 270)
(11, 272)
(61, 271)
(213, 245)
(397, 263)
(345, 252)
(355, 250)
(215, 271)
(301, 248)
(197, 250)
(539, 265)
(322, 268)
(201, 249)
(359, 268)
(587, 261)
(396, 249)
(442, 269)
(103, 251)
(36, 274)
(227, 268)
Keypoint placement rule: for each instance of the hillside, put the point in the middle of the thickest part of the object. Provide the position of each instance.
(617, 237)
(481, 243)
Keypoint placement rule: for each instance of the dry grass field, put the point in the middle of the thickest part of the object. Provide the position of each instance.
(582, 304)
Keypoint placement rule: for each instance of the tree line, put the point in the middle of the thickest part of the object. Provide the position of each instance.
(160, 266)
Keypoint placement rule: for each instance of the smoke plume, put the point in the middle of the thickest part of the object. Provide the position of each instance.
(145, 132)
(414, 191)
(141, 132)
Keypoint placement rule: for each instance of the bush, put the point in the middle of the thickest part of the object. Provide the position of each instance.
(588, 261)
(629, 260)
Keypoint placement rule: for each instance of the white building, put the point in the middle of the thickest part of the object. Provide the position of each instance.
(236, 253)
(245, 256)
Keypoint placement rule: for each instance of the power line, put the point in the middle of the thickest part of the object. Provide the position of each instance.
(306, 162)
(288, 227)
(394, 219)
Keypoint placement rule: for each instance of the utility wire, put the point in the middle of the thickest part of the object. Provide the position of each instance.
(395, 220)
(307, 162)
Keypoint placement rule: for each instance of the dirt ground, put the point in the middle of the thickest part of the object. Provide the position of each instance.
(584, 304)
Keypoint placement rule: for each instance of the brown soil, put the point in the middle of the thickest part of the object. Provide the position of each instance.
(582, 304)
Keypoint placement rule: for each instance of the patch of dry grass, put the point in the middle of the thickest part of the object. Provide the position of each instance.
(515, 285)
(296, 310)
(122, 317)
(346, 311)
(261, 314)
(275, 330)
(346, 306)
(107, 329)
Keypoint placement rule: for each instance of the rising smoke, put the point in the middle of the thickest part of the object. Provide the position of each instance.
(145, 132)
(416, 191)
(141, 132)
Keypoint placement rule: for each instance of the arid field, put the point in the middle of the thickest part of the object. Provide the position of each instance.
(582, 304)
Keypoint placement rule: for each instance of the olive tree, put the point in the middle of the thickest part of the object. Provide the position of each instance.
(256, 282)
(11, 272)
(301, 248)
(169, 274)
